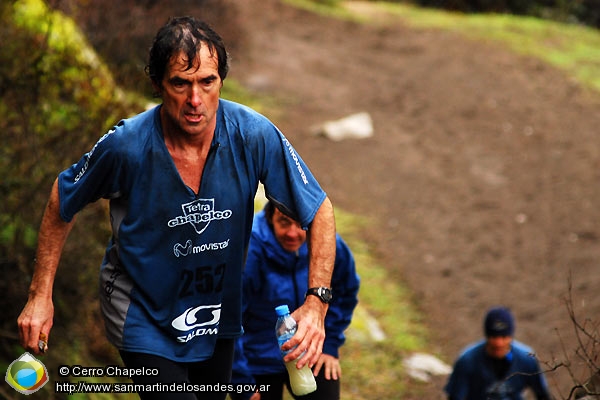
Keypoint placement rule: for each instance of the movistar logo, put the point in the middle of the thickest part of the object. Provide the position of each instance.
(180, 250)
(185, 250)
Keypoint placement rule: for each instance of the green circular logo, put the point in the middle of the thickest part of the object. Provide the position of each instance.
(26, 374)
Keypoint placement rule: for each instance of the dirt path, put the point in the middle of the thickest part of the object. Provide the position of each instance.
(482, 176)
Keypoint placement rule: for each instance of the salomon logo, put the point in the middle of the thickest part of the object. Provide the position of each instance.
(195, 317)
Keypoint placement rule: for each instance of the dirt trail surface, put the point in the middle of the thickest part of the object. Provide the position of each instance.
(481, 178)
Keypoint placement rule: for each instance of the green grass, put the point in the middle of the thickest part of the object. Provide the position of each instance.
(372, 366)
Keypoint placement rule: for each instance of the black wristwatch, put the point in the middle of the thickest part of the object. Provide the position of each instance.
(323, 293)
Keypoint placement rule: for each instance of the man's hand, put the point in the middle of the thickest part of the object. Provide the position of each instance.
(255, 396)
(310, 335)
(35, 320)
(333, 370)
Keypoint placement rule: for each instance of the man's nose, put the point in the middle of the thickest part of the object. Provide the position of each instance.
(195, 98)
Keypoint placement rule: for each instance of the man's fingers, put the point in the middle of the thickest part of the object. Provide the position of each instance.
(318, 366)
(308, 346)
(36, 342)
(28, 341)
(317, 348)
(309, 337)
(310, 353)
(295, 353)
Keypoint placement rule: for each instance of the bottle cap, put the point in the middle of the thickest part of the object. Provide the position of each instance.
(282, 310)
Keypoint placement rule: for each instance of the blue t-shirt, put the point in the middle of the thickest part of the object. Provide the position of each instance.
(170, 281)
(474, 376)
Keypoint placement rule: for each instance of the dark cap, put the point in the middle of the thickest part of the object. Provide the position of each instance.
(499, 322)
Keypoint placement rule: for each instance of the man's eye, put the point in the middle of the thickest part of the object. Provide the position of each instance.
(283, 221)
(178, 83)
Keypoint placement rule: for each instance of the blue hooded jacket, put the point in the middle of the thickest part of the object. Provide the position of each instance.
(274, 276)
(473, 376)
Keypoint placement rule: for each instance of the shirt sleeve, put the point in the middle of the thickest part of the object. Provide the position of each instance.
(457, 385)
(538, 383)
(94, 176)
(288, 181)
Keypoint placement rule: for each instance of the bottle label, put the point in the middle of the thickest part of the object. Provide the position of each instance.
(282, 339)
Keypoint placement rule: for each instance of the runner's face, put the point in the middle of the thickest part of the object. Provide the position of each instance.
(191, 96)
(498, 346)
(288, 232)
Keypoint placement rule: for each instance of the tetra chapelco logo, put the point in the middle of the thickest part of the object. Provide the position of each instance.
(199, 213)
(27, 374)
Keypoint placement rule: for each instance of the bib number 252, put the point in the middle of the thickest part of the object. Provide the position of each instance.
(207, 279)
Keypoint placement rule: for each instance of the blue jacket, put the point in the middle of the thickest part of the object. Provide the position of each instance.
(473, 376)
(274, 276)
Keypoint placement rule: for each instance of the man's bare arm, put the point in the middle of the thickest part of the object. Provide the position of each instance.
(311, 315)
(37, 315)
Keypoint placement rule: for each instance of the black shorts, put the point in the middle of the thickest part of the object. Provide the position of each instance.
(211, 376)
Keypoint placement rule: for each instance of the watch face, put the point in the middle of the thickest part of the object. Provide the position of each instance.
(325, 294)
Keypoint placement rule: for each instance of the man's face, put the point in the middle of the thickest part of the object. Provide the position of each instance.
(191, 96)
(498, 346)
(288, 232)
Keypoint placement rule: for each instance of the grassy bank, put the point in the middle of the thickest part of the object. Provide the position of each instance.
(385, 328)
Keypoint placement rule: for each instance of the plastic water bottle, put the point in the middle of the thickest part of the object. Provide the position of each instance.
(302, 380)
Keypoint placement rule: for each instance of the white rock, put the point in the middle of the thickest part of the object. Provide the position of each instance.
(355, 126)
(422, 366)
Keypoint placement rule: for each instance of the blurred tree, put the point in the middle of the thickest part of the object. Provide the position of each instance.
(121, 31)
(56, 99)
